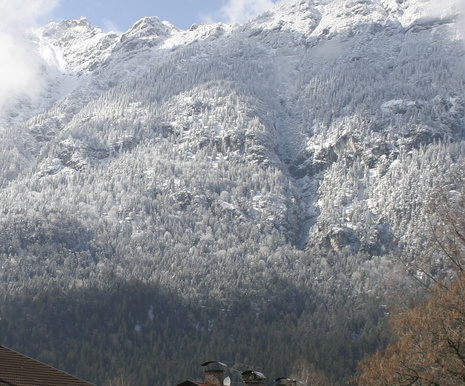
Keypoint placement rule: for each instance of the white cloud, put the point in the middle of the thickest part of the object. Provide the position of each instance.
(459, 7)
(111, 26)
(25, 12)
(19, 66)
(241, 11)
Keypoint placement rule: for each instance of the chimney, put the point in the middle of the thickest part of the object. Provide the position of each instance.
(214, 373)
(253, 378)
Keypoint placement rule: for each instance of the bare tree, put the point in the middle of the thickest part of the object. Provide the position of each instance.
(308, 374)
(428, 345)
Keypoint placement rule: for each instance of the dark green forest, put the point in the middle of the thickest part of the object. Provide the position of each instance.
(137, 334)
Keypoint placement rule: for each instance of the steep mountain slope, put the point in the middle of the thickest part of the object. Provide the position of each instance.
(306, 147)
(298, 126)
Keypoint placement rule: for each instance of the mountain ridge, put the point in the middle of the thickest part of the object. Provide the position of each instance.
(290, 171)
(300, 143)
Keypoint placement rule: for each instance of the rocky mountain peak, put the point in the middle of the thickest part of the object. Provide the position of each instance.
(149, 27)
(67, 28)
(75, 46)
(145, 33)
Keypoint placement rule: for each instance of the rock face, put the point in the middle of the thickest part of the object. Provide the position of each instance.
(75, 45)
(328, 124)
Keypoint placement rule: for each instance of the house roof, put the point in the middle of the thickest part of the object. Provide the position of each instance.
(191, 383)
(214, 366)
(19, 370)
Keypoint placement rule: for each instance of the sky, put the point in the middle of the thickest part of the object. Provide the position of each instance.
(120, 15)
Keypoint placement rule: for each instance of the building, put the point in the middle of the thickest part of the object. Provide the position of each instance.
(287, 382)
(19, 370)
(253, 378)
(214, 376)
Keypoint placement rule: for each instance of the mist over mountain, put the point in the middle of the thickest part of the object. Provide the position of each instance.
(278, 169)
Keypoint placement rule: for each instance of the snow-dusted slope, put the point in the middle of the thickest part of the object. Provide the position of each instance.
(303, 130)
(78, 56)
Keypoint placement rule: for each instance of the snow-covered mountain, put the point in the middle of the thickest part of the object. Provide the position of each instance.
(321, 127)
(183, 186)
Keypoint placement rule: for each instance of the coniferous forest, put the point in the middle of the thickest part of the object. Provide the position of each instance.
(265, 194)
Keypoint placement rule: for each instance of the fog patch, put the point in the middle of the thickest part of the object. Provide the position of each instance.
(242, 11)
(20, 66)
